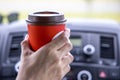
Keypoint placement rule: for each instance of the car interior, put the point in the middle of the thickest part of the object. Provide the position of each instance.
(95, 37)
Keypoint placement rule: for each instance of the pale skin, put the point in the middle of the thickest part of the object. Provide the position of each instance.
(50, 62)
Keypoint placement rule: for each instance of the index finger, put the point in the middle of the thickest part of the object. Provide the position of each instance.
(60, 41)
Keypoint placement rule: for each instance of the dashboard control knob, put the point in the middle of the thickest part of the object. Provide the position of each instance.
(84, 75)
(89, 49)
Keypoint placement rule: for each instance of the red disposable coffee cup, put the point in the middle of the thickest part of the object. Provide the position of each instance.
(43, 26)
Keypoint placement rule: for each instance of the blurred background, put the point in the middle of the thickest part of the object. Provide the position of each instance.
(109, 9)
(104, 36)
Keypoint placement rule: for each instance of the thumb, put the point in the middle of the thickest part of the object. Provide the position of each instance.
(25, 47)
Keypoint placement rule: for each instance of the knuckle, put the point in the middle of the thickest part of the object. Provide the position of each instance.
(57, 58)
(23, 43)
(25, 52)
(64, 38)
(72, 58)
(68, 68)
(69, 45)
(54, 56)
(59, 68)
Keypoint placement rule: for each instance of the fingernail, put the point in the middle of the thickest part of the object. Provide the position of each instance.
(67, 33)
(67, 29)
(26, 37)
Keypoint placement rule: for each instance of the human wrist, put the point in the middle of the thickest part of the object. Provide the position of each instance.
(22, 76)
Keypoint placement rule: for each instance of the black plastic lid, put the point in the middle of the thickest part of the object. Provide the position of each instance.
(46, 18)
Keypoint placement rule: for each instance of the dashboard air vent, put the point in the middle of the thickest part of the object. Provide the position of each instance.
(15, 48)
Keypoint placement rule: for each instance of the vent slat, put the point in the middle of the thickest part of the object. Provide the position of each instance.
(15, 48)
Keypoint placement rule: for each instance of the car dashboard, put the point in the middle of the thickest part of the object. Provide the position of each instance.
(96, 49)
